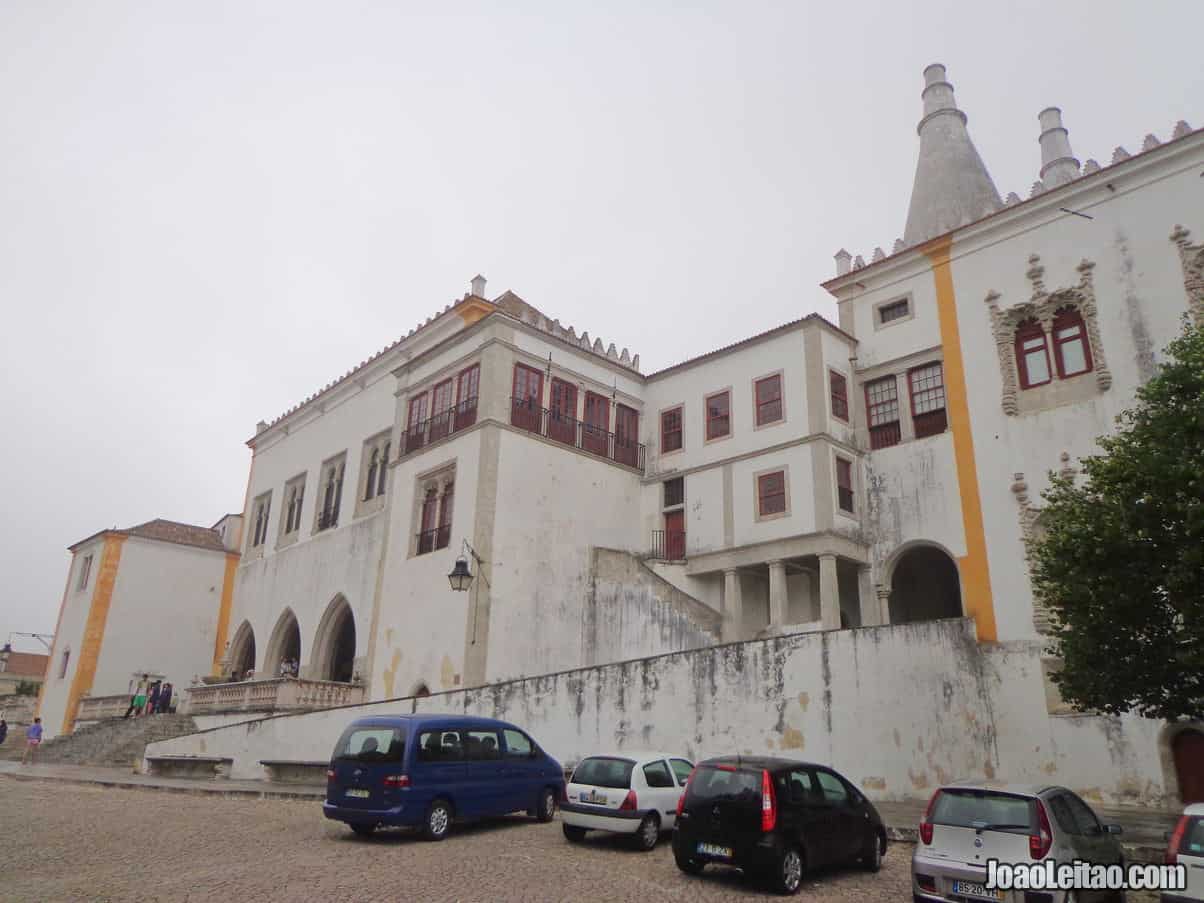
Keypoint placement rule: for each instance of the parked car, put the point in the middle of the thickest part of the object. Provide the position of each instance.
(1187, 849)
(625, 793)
(426, 771)
(966, 824)
(774, 818)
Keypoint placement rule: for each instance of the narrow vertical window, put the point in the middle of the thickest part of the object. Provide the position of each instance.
(1032, 355)
(1072, 352)
(771, 493)
(562, 412)
(839, 388)
(882, 408)
(527, 400)
(467, 389)
(595, 430)
(445, 516)
(927, 388)
(370, 484)
(63, 663)
(384, 470)
(671, 430)
(768, 393)
(844, 484)
(441, 410)
(85, 569)
(718, 411)
(627, 435)
(427, 521)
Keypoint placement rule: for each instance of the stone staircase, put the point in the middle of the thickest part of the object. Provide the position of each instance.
(112, 743)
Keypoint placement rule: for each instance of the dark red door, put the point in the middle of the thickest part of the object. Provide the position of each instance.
(675, 535)
(1188, 750)
(627, 435)
(562, 412)
(527, 399)
(595, 432)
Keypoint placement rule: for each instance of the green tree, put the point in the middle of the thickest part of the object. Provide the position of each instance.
(1121, 563)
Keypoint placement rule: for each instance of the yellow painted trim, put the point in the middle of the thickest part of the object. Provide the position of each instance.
(975, 573)
(473, 309)
(94, 628)
(223, 612)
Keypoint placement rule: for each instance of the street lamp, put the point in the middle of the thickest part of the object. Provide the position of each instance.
(461, 575)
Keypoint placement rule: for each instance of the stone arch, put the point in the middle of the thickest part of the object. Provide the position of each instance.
(241, 656)
(334, 646)
(1181, 746)
(924, 583)
(285, 643)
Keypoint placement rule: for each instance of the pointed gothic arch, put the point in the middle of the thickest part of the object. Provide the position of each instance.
(334, 646)
(241, 655)
(285, 643)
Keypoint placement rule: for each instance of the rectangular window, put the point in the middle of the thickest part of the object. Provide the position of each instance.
(840, 395)
(443, 537)
(896, 310)
(428, 521)
(330, 488)
(627, 435)
(769, 399)
(562, 412)
(416, 423)
(771, 493)
(518, 745)
(718, 409)
(675, 492)
(294, 498)
(844, 484)
(595, 431)
(259, 519)
(882, 408)
(440, 746)
(84, 570)
(927, 386)
(441, 410)
(671, 430)
(527, 399)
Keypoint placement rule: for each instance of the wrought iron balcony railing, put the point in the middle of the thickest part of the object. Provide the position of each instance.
(440, 426)
(576, 433)
(668, 545)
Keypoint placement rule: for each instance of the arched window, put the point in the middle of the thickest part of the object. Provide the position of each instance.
(370, 485)
(291, 514)
(1032, 355)
(1072, 351)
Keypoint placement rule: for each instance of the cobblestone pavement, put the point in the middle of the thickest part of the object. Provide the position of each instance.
(71, 842)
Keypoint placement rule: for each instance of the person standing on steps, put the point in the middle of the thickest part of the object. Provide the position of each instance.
(33, 739)
(164, 706)
(152, 698)
(3, 731)
(139, 699)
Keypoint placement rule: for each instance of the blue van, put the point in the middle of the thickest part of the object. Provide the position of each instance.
(423, 771)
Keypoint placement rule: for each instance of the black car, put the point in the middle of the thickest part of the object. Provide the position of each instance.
(774, 818)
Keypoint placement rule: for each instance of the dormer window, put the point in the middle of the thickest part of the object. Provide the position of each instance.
(1032, 355)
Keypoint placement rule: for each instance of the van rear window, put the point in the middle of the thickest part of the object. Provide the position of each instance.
(371, 744)
(985, 808)
(603, 771)
(711, 783)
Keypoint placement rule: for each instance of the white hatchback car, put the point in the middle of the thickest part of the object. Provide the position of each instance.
(625, 793)
(1187, 849)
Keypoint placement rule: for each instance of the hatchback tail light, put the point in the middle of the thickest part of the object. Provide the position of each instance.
(330, 774)
(1039, 843)
(769, 804)
(1172, 851)
(925, 823)
(681, 800)
(397, 780)
(629, 803)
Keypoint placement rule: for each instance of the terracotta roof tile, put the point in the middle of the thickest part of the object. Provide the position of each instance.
(183, 534)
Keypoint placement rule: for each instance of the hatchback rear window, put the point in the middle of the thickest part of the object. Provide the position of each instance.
(985, 809)
(371, 744)
(714, 783)
(602, 771)
(1193, 839)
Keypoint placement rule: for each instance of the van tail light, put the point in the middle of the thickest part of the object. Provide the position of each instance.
(330, 774)
(397, 780)
(681, 800)
(1172, 851)
(1039, 843)
(769, 804)
(925, 822)
(629, 803)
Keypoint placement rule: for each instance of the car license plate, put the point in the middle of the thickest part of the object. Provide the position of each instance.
(979, 891)
(358, 794)
(593, 796)
(710, 849)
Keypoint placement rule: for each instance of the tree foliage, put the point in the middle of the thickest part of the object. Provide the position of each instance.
(1120, 564)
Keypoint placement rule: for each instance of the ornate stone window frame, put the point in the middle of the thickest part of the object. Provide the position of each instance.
(1030, 514)
(1043, 306)
(1191, 256)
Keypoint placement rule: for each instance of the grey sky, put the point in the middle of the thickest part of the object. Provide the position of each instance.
(209, 210)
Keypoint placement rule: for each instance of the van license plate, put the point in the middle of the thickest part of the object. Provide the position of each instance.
(710, 849)
(358, 794)
(978, 891)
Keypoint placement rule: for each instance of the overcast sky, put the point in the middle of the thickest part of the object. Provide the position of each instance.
(208, 210)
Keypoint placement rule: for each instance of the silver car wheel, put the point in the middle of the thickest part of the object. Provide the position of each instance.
(438, 820)
(792, 870)
(650, 832)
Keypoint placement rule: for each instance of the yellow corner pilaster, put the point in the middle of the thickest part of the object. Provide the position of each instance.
(223, 612)
(975, 573)
(94, 627)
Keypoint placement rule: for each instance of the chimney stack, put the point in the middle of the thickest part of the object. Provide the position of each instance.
(844, 262)
(1058, 163)
(478, 286)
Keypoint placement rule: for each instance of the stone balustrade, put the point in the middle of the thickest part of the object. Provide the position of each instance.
(98, 708)
(280, 694)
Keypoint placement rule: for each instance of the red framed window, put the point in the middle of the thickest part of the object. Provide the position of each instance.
(1032, 355)
(595, 430)
(441, 409)
(416, 423)
(882, 409)
(844, 484)
(418, 409)
(768, 393)
(771, 493)
(427, 523)
(671, 430)
(468, 385)
(719, 415)
(443, 536)
(839, 388)
(627, 435)
(1072, 351)
(562, 412)
(927, 387)
(527, 400)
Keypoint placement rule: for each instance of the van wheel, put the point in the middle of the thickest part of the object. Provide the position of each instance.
(787, 877)
(438, 820)
(871, 861)
(689, 866)
(364, 830)
(547, 805)
(573, 834)
(648, 833)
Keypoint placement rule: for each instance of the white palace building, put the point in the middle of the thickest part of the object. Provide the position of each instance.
(812, 539)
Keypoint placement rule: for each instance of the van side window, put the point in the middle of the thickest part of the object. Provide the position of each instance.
(657, 775)
(832, 788)
(482, 746)
(440, 746)
(518, 745)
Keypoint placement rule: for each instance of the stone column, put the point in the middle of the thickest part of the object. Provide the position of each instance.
(779, 605)
(867, 599)
(883, 603)
(733, 606)
(829, 593)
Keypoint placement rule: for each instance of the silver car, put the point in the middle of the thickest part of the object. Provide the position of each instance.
(967, 824)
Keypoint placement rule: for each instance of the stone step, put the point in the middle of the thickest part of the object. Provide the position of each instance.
(116, 742)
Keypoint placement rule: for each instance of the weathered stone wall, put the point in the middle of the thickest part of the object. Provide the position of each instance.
(898, 709)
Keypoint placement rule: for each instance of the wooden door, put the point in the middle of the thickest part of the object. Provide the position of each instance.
(1188, 751)
(526, 411)
(562, 412)
(595, 432)
(675, 535)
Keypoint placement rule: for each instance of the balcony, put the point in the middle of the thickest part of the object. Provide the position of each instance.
(668, 545)
(440, 426)
(576, 434)
(430, 540)
(281, 694)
